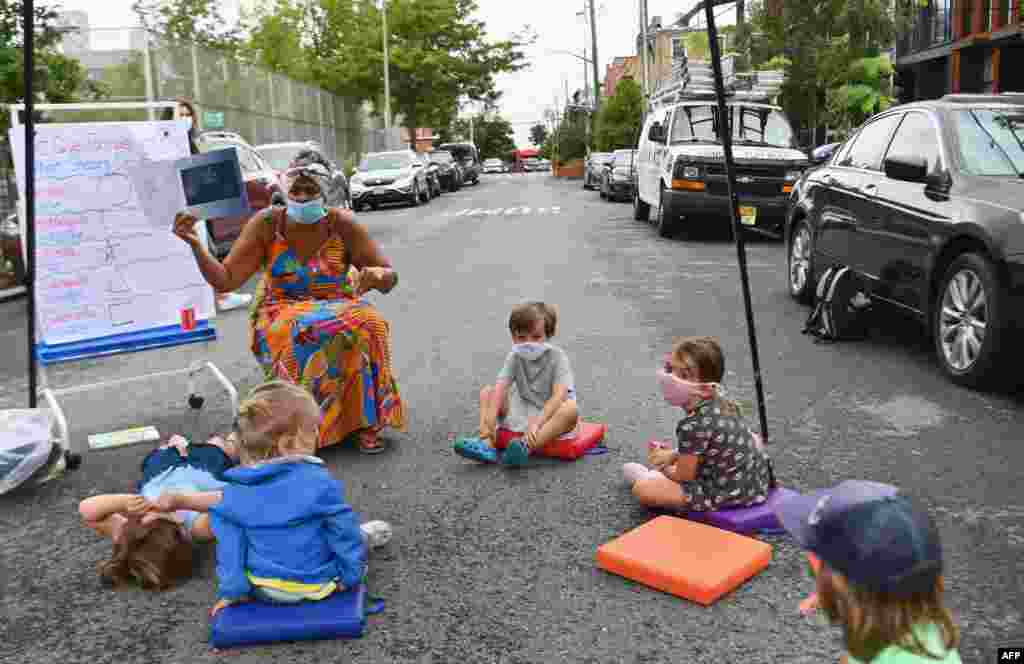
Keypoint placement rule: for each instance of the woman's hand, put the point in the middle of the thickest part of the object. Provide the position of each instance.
(185, 228)
(168, 502)
(660, 457)
(369, 278)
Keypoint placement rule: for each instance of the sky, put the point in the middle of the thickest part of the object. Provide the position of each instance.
(555, 23)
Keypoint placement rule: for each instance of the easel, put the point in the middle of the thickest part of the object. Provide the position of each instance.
(163, 337)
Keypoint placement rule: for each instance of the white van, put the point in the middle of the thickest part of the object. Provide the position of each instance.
(681, 166)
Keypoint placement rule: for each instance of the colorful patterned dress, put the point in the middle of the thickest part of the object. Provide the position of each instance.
(310, 328)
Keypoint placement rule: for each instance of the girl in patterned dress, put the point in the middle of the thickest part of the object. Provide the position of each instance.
(719, 461)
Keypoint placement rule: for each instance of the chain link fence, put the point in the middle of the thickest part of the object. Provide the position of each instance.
(262, 106)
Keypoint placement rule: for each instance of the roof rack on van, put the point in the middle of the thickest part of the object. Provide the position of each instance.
(694, 80)
(1001, 98)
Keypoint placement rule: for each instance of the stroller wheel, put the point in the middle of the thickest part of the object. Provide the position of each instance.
(73, 460)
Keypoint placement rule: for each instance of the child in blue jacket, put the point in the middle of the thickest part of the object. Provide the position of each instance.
(284, 531)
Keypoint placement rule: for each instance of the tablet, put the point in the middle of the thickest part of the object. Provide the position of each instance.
(213, 184)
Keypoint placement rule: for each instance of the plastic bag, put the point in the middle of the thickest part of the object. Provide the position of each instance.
(26, 445)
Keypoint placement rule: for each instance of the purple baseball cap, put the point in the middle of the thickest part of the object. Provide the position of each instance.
(868, 532)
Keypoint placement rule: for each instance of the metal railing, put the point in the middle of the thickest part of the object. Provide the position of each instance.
(945, 21)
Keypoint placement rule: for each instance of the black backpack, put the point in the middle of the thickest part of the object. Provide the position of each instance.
(840, 307)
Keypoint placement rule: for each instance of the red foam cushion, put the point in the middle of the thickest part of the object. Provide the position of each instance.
(590, 434)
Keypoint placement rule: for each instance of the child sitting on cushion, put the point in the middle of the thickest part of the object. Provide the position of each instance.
(879, 559)
(719, 461)
(284, 531)
(535, 393)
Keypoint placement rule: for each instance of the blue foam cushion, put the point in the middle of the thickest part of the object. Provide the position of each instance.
(340, 616)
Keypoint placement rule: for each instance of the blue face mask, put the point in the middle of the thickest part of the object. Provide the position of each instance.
(530, 351)
(309, 212)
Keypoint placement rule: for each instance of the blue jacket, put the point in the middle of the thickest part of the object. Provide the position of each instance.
(285, 519)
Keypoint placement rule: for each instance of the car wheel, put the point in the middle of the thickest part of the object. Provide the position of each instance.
(664, 228)
(425, 194)
(414, 198)
(801, 264)
(970, 318)
(641, 210)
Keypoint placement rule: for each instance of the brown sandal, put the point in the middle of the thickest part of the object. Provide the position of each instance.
(370, 441)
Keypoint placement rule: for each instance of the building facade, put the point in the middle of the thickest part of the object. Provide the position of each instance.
(970, 46)
(424, 139)
(620, 68)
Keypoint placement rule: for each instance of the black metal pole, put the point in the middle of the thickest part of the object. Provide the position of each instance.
(725, 131)
(28, 19)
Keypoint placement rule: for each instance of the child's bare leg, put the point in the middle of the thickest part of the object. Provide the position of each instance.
(660, 492)
(490, 409)
(634, 472)
(563, 421)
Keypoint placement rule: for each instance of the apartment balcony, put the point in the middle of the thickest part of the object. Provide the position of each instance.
(947, 24)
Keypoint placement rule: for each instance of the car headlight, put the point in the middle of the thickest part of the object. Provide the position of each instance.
(691, 173)
(793, 176)
(404, 183)
(9, 227)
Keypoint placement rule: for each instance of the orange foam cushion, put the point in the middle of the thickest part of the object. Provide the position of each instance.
(590, 434)
(692, 560)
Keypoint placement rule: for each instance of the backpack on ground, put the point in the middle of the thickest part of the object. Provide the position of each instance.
(840, 307)
(28, 454)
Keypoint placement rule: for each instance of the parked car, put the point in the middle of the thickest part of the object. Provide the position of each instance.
(261, 183)
(468, 157)
(618, 175)
(390, 177)
(925, 203)
(823, 153)
(593, 167)
(531, 164)
(494, 166)
(545, 164)
(280, 156)
(681, 172)
(449, 171)
(433, 174)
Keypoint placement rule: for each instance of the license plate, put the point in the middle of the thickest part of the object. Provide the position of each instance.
(748, 216)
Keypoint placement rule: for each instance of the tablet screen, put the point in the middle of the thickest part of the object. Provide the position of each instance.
(210, 182)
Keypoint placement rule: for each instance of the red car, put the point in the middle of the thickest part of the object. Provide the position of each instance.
(261, 182)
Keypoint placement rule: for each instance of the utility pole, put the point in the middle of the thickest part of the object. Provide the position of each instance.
(387, 67)
(643, 51)
(593, 54)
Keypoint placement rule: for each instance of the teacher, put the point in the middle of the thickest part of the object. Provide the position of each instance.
(310, 324)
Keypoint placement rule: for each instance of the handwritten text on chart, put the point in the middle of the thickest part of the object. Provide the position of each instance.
(60, 169)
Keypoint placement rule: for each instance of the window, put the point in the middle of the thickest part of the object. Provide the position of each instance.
(916, 136)
(694, 123)
(751, 125)
(991, 142)
(870, 144)
(246, 160)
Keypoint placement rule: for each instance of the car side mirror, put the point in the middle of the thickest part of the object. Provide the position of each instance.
(417, 165)
(654, 133)
(909, 168)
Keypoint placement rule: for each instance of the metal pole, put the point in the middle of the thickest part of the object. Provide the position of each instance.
(28, 19)
(147, 62)
(737, 228)
(643, 51)
(387, 66)
(593, 54)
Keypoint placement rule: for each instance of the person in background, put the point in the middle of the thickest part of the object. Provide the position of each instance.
(185, 110)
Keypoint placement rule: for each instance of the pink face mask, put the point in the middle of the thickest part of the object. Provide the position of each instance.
(684, 393)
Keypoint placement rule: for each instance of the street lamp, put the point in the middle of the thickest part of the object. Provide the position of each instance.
(387, 64)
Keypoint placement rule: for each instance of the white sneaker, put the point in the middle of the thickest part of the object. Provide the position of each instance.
(377, 533)
(233, 301)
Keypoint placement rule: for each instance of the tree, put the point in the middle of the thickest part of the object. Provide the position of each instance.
(865, 93)
(494, 136)
(618, 125)
(538, 134)
(439, 55)
(57, 78)
(275, 41)
(189, 21)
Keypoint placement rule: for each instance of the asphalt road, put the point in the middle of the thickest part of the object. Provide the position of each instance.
(489, 565)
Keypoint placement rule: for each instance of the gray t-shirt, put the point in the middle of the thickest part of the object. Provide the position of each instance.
(535, 380)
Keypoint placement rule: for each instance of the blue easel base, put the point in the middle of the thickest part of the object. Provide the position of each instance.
(160, 337)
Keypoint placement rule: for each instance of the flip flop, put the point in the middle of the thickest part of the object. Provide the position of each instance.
(370, 443)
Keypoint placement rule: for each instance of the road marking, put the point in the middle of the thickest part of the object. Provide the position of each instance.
(504, 212)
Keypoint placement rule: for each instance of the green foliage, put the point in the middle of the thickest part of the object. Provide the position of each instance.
(618, 125)
(697, 45)
(865, 93)
(275, 41)
(189, 21)
(776, 63)
(538, 134)
(350, 166)
(572, 139)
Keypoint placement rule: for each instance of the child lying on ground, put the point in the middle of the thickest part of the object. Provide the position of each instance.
(880, 572)
(284, 531)
(155, 550)
(535, 393)
(719, 462)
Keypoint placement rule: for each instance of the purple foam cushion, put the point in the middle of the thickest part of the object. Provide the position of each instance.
(746, 520)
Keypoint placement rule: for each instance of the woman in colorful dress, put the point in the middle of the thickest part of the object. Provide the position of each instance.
(310, 322)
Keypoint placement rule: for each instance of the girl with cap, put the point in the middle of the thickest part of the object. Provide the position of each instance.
(879, 571)
(310, 323)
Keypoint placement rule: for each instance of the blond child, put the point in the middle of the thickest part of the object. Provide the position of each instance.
(718, 462)
(284, 530)
(534, 396)
(879, 559)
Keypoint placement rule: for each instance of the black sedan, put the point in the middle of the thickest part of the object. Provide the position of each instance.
(925, 204)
